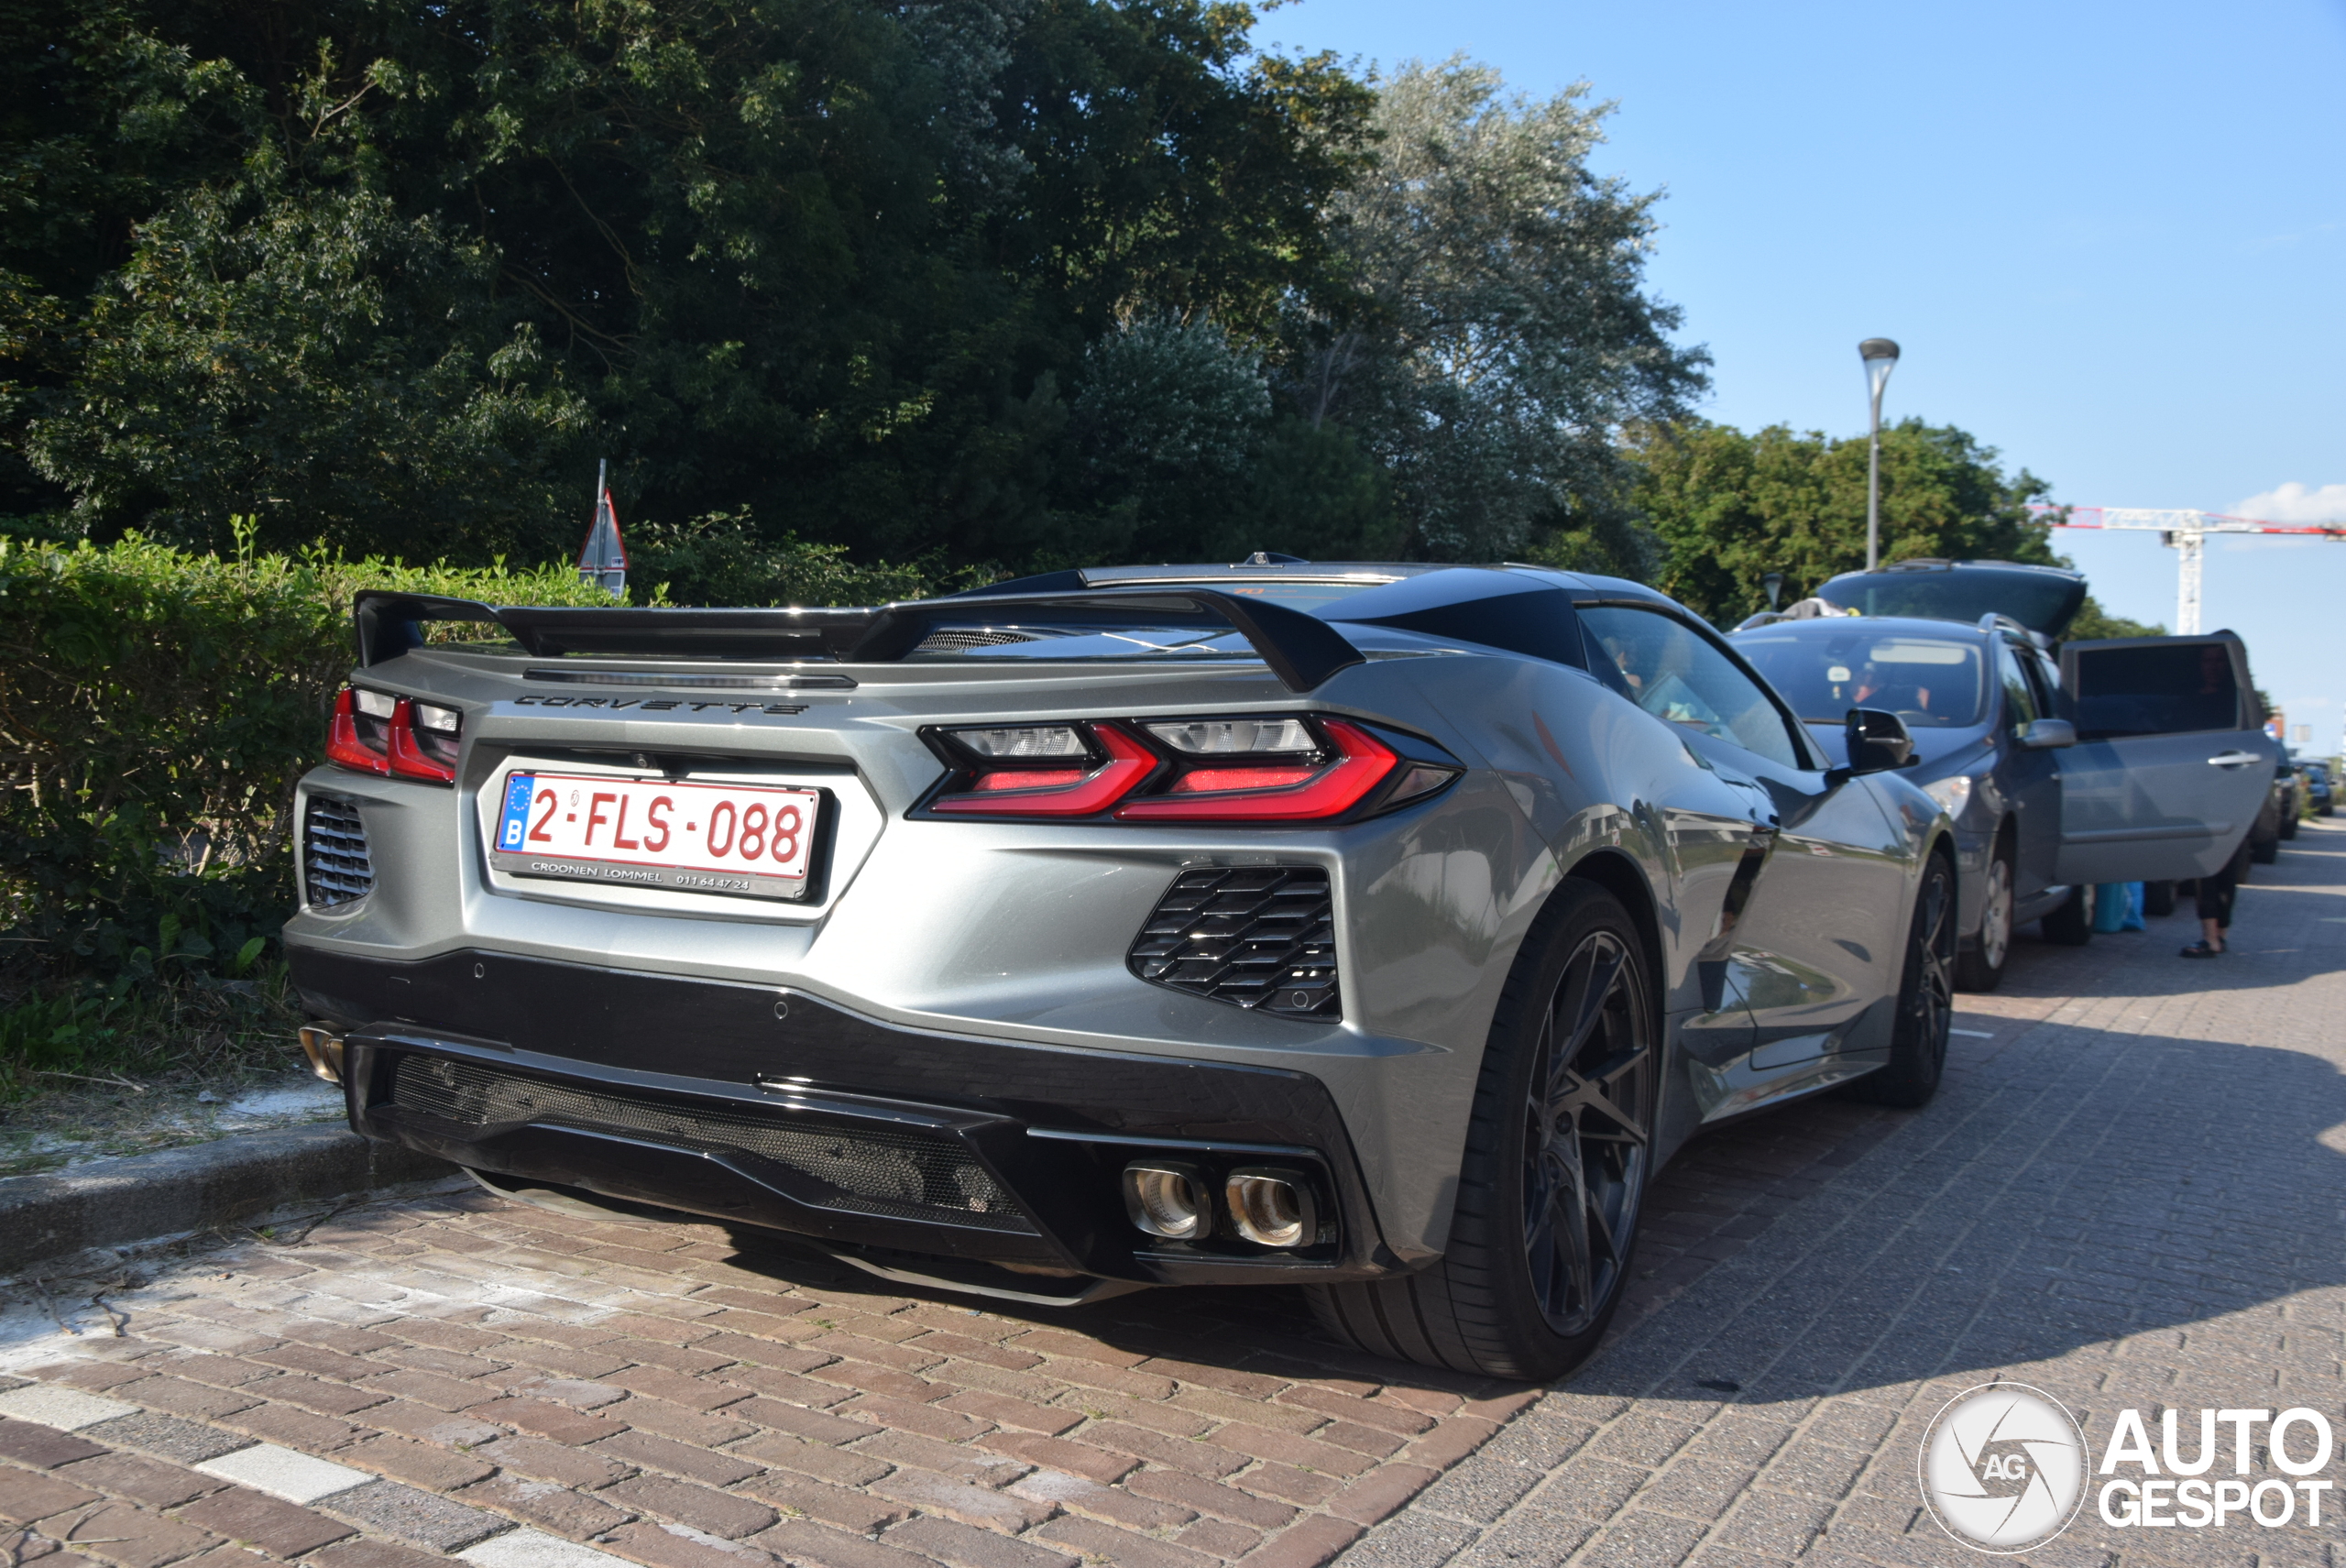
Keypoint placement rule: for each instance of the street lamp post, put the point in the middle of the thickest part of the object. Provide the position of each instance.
(1880, 355)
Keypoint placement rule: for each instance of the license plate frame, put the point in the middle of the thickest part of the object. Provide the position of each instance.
(671, 868)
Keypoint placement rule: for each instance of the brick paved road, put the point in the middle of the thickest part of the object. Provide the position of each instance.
(2127, 1193)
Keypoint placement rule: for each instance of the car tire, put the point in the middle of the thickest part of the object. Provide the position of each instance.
(2264, 851)
(2071, 924)
(2289, 825)
(1982, 968)
(1925, 999)
(2158, 898)
(1559, 1151)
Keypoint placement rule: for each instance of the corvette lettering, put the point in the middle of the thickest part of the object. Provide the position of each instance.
(660, 705)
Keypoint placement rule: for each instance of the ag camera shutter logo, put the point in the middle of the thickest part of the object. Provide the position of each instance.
(2003, 1467)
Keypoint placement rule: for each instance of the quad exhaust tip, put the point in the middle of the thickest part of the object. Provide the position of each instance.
(323, 1048)
(1169, 1200)
(1270, 1208)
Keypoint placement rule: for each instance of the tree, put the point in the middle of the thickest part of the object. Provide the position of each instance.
(1729, 508)
(1506, 339)
(2093, 623)
(394, 275)
(1185, 456)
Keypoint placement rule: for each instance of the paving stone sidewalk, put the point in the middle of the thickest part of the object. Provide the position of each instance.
(2127, 1193)
(462, 1374)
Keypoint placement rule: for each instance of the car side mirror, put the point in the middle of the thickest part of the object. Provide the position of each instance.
(2047, 734)
(1878, 741)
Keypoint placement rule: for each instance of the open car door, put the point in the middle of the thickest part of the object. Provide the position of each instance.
(2172, 762)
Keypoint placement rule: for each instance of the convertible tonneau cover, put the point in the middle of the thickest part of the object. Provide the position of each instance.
(1301, 650)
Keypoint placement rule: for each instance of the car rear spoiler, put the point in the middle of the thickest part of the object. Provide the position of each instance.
(1301, 650)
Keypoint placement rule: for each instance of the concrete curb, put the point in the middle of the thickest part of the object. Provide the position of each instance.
(148, 1197)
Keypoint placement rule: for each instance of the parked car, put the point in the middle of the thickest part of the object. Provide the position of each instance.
(2278, 821)
(2138, 760)
(2318, 789)
(1379, 929)
(1980, 703)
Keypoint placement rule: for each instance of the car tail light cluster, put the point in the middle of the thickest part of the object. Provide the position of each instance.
(1300, 768)
(397, 737)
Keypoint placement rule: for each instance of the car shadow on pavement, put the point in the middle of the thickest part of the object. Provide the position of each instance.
(2086, 1188)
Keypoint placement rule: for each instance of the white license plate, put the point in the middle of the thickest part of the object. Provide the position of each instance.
(694, 837)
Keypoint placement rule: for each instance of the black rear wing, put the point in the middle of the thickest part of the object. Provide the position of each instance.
(1301, 650)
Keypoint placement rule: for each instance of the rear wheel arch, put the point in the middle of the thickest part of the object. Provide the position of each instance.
(1618, 875)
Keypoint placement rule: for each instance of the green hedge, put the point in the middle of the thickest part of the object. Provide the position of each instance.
(155, 707)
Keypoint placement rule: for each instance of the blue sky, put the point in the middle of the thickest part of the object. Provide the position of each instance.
(2109, 237)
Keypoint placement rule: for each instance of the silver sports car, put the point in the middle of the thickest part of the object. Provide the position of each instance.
(1379, 929)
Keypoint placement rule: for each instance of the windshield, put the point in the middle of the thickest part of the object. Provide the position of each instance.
(1931, 683)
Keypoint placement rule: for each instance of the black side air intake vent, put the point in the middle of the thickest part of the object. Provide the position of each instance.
(335, 867)
(902, 1174)
(1255, 936)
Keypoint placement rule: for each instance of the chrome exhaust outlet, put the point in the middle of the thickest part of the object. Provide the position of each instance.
(323, 1048)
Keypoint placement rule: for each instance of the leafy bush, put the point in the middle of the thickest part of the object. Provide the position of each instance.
(156, 708)
(721, 559)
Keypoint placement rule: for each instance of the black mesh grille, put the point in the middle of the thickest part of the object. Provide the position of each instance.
(908, 1175)
(334, 864)
(1257, 935)
(953, 642)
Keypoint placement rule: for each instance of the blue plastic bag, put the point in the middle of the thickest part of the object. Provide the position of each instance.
(2118, 906)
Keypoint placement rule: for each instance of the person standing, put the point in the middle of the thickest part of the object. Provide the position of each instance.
(2215, 895)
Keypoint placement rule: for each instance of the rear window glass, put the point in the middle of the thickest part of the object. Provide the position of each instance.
(2033, 599)
(2169, 689)
(1004, 635)
(1931, 683)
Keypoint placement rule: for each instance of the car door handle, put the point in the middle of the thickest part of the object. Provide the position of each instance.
(2233, 758)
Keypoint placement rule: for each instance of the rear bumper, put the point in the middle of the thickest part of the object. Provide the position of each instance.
(770, 1108)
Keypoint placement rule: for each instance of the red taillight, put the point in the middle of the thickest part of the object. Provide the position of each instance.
(408, 759)
(1057, 792)
(349, 738)
(1198, 779)
(1274, 794)
(386, 742)
(1280, 768)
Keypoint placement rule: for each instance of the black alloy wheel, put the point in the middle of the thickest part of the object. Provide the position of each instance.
(1925, 999)
(1559, 1151)
(1587, 1134)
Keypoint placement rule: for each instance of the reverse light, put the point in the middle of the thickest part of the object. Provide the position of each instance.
(393, 737)
(1222, 737)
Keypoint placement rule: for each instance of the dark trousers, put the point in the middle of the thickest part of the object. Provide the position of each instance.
(2216, 892)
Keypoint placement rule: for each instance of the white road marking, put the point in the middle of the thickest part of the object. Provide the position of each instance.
(1975, 1034)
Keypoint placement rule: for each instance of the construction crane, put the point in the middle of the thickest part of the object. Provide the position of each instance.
(2184, 532)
